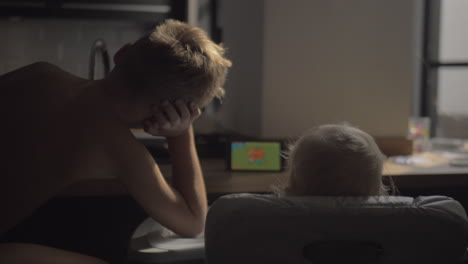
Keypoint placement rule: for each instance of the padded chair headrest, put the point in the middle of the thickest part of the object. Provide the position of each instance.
(252, 228)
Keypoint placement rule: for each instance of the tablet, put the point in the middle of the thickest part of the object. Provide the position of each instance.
(255, 156)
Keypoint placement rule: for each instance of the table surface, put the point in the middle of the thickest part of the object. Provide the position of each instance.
(431, 170)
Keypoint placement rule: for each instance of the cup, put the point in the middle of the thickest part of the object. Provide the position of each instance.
(419, 132)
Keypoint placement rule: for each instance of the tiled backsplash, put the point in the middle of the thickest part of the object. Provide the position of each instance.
(64, 42)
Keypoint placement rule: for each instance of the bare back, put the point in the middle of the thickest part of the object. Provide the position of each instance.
(50, 139)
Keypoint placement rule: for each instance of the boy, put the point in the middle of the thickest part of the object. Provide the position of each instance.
(62, 129)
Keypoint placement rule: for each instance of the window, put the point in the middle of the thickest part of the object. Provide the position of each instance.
(445, 67)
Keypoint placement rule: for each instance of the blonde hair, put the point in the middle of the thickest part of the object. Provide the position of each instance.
(335, 160)
(175, 61)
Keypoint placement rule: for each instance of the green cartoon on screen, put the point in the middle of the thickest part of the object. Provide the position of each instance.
(256, 155)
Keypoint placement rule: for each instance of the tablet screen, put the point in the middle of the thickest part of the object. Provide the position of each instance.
(255, 156)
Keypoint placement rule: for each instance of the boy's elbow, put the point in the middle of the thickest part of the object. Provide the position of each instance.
(195, 227)
(198, 226)
(192, 232)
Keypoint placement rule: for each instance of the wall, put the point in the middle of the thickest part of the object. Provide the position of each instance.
(322, 61)
(242, 25)
(65, 42)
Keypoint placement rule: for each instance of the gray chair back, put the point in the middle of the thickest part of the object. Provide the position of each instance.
(252, 228)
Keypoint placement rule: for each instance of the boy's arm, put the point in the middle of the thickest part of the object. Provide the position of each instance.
(181, 207)
(187, 176)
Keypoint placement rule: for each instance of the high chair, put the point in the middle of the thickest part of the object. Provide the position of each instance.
(254, 228)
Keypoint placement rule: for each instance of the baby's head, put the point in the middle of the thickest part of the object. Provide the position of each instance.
(335, 160)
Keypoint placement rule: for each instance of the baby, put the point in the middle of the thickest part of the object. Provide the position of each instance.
(335, 160)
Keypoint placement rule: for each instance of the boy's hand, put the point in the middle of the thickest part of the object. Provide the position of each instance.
(171, 120)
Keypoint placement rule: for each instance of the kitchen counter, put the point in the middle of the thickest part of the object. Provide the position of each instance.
(431, 170)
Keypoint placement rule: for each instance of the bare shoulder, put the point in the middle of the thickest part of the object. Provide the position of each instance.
(126, 153)
(135, 167)
(37, 68)
(42, 66)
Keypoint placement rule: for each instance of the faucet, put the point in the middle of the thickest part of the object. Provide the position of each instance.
(99, 46)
